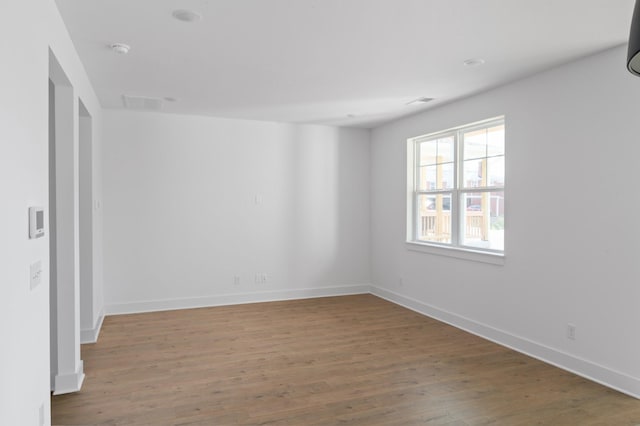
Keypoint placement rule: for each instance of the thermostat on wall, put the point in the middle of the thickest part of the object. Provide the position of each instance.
(36, 222)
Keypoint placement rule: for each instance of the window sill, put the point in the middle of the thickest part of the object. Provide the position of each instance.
(457, 252)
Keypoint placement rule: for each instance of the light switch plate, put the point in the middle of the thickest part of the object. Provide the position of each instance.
(35, 274)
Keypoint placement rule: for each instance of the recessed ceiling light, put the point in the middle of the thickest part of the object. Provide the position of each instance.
(420, 101)
(185, 15)
(120, 48)
(474, 62)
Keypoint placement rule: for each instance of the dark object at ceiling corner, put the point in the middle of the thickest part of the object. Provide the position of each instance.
(633, 55)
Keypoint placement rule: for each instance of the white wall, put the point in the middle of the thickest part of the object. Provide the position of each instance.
(572, 224)
(181, 218)
(27, 29)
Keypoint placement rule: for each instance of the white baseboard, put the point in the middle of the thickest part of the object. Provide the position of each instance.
(68, 383)
(233, 299)
(91, 335)
(605, 376)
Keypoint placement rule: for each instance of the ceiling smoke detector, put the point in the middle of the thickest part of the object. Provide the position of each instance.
(185, 15)
(473, 62)
(633, 52)
(120, 48)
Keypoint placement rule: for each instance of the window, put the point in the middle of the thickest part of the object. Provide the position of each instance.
(457, 187)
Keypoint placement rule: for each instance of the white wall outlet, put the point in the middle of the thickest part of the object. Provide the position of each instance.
(400, 282)
(571, 331)
(263, 278)
(236, 280)
(35, 274)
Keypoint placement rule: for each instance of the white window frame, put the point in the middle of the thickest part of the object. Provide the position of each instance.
(456, 248)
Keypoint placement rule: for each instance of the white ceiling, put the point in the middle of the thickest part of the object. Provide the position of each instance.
(324, 61)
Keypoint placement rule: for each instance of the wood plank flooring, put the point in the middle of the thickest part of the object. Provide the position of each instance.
(353, 360)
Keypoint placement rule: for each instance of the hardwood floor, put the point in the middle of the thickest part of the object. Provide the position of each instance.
(355, 360)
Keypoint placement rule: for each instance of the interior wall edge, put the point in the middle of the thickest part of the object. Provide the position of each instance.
(70, 382)
(91, 335)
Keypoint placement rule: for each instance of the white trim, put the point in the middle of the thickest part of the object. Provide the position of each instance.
(617, 380)
(233, 299)
(91, 335)
(598, 373)
(457, 252)
(68, 383)
(455, 192)
(466, 127)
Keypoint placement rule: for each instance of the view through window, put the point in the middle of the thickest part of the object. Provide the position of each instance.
(458, 187)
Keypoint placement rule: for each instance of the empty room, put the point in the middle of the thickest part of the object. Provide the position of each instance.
(319, 212)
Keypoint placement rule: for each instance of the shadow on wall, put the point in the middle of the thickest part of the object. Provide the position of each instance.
(326, 212)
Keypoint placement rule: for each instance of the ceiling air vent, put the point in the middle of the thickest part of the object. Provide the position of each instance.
(420, 101)
(142, 102)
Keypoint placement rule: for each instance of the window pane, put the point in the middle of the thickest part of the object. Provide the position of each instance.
(495, 140)
(445, 150)
(436, 151)
(495, 171)
(472, 173)
(439, 176)
(483, 220)
(434, 218)
(446, 174)
(436, 201)
(475, 144)
(427, 178)
(428, 152)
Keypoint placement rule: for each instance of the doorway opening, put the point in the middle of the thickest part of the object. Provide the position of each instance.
(67, 372)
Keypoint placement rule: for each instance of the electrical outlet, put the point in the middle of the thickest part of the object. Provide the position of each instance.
(236, 280)
(400, 282)
(264, 278)
(571, 331)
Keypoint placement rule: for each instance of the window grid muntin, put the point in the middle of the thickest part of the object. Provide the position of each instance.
(419, 165)
(461, 160)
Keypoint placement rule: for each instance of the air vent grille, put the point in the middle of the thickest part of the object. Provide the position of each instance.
(420, 101)
(142, 102)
